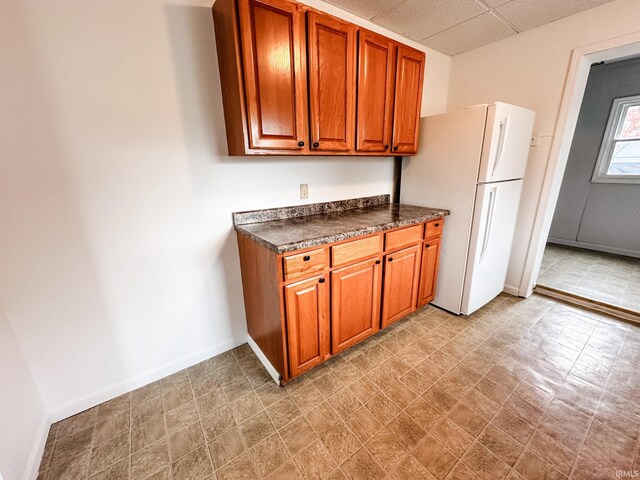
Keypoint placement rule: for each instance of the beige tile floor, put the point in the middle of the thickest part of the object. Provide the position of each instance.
(529, 389)
(604, 277)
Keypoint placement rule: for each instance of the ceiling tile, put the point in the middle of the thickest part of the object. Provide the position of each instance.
(418, 19)
(469, 35)
(527, 14)
(366, 8)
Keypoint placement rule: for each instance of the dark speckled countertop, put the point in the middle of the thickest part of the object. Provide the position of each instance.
(294, 228)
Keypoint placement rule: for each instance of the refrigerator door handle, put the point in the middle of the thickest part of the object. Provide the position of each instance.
(493, 193)
(504, 129)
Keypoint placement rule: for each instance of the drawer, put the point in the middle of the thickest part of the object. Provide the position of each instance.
(404, 237)
(350, 252)
(302, 264)
(434, 228)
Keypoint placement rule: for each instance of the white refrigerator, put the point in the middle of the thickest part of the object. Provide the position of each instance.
(472, 162)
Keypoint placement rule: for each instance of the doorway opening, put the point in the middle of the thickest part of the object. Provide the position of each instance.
(593, 247)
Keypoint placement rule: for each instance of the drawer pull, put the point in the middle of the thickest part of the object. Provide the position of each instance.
(377, 262)
(321, 280)
(437, 224)
(306, 258)
(391, 259)
(426, 245)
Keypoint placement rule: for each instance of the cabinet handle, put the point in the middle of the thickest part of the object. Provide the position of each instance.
(437, 224)
(426, 245)
(306, 258)
(386, 147)
(301, 144)
(316, 144)
(321, 280)
(390, 259)
(395, 148)
(377, 262)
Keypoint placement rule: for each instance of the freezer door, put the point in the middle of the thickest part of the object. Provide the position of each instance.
(506, 145)
(494, 223)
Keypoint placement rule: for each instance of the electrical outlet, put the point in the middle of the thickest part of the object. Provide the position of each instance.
(304, 191)
(534, 140)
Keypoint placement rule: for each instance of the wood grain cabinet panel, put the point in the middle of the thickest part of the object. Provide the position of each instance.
(376, 67)
(350, 252)
(331, 49)
(428, 271)
(306, 307)
(273, 43)
(434, 229)
(304, 264)
(408, 99)
(403, 237)
(355, 303)
(400, 290)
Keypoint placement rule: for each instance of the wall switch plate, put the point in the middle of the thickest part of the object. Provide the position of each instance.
(304, 191)
(534, 140)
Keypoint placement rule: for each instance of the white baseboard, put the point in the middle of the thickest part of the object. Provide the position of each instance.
(92, 399)
(511, 290)
(264, 360)
(592, 246)
(37, 450)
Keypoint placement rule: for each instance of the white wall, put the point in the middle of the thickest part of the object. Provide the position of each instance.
(118, 262)
(22, 416)
(530, 69)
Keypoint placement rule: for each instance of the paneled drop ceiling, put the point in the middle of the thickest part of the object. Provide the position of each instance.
(456, 26)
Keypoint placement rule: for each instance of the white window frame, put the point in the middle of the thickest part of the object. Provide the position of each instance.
(616, 118)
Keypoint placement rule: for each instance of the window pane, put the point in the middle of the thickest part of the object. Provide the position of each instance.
(625, 159)
(631, 126)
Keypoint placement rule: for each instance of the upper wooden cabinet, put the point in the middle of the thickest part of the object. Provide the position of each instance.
(376, 69)
(274, 63)
(296, 81)
(332, 87)
(408, 99)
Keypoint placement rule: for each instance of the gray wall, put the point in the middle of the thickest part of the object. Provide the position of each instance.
(598, 216)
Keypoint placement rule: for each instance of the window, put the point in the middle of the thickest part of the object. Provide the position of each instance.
(619, 157)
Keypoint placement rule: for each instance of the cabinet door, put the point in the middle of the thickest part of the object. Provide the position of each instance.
(306, 305)
(428, 271)
(375, 91)
(401, 272)
(332, 61)
(355, 303)
(408, 99)
(273, 44)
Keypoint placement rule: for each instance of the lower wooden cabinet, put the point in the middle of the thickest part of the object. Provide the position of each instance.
(355, 303)
(429, 271)
(401, 274)
(306, 306)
